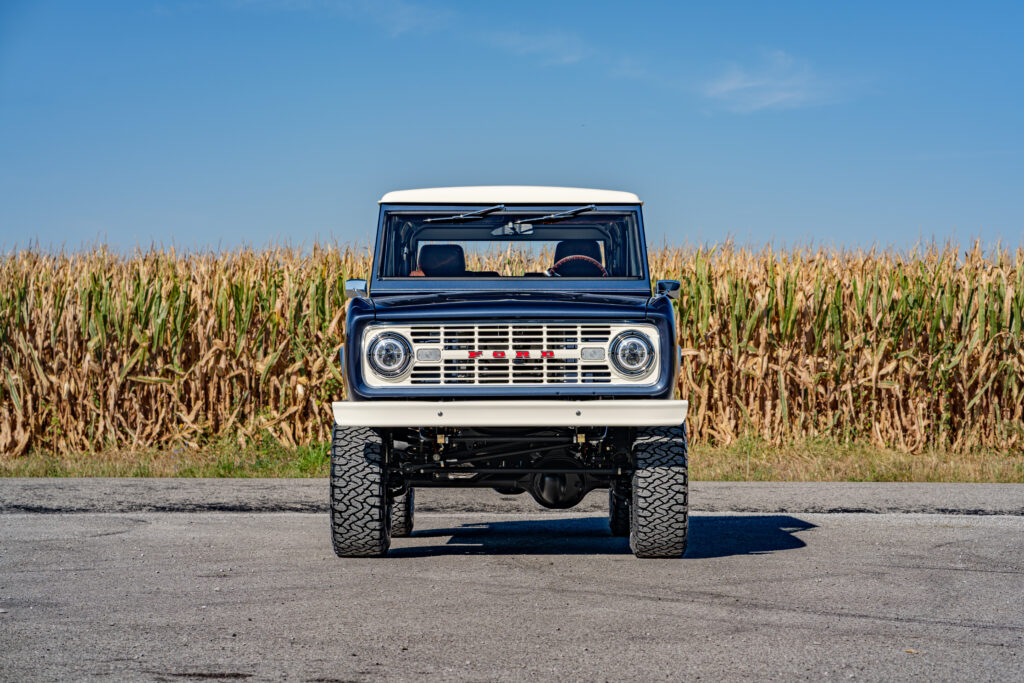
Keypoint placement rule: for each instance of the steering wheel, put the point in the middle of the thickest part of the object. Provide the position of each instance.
(587, 263)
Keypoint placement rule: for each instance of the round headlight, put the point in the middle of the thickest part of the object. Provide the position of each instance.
(389, 355)
(632, 353)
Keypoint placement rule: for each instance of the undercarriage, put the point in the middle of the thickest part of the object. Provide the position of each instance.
(557, 466)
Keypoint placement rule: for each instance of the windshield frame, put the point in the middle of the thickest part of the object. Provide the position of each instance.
(402, 285)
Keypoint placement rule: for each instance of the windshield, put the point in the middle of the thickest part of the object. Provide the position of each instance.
(499, 242)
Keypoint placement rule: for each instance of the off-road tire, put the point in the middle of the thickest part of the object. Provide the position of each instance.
(619, 500)
(403, 514)
(360, 524)
(660, 506)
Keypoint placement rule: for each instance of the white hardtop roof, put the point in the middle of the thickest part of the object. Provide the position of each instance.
(509, 194)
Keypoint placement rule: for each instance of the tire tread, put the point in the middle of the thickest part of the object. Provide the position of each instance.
(660, 502)
(359, 509)
(403, 514)
(619, 503)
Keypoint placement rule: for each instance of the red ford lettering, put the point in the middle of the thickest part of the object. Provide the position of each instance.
(517, 354)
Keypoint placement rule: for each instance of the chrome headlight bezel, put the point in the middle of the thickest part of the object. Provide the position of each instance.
(647, 365)
(402, 343)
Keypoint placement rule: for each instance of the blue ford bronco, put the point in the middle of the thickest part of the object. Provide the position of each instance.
(508, 338)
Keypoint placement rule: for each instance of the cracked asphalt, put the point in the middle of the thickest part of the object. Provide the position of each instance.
(515, 595)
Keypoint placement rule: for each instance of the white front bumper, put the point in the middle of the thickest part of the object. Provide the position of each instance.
(609, 413)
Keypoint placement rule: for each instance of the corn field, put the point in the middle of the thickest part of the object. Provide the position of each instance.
(913, 351)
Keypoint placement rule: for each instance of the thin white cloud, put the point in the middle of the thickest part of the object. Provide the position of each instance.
(630, 69)
(779, 81)
(550, 48)
(396, 17)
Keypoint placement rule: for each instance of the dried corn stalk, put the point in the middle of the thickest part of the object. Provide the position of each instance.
(918, 350)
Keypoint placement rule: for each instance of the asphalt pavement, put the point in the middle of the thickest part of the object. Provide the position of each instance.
(310, 495)
(522, 594)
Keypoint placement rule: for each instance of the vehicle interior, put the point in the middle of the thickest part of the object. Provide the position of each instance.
(592, 246)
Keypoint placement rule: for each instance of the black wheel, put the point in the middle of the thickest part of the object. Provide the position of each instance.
(359, 508)
(403, 512)
(660, 506)
(618, 508)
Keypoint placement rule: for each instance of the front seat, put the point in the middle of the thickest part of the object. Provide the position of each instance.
(442, 260)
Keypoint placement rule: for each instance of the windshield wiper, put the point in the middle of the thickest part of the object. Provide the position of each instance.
(466, 216)
(560, 216)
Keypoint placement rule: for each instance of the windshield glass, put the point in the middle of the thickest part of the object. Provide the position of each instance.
(588, 242)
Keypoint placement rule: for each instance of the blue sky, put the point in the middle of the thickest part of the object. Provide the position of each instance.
(217, 123)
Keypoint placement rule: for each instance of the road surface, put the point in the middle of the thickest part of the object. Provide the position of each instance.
(526, 595)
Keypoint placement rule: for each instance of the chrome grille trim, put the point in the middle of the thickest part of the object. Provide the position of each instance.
(562, 364)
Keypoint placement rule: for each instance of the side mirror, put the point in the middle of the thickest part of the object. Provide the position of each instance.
(355, 289)
(669, 288)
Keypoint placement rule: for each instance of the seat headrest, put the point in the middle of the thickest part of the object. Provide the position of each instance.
(578, 248)
(442, 260)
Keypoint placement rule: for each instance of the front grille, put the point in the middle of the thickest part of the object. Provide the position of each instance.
(511, 354)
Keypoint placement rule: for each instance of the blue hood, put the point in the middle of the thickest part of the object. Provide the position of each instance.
(482, 305)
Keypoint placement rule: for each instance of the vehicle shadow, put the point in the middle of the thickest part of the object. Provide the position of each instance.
(710, 536)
